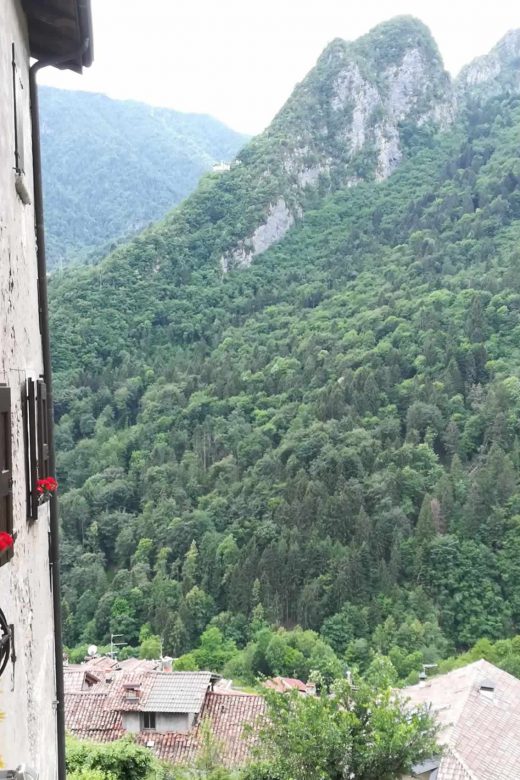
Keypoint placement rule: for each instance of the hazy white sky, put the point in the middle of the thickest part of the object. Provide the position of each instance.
(238, 60)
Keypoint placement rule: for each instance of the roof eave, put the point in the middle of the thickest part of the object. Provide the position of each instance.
(60, 32)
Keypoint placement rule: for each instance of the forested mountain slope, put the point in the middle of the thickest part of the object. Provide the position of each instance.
(111, 167)
(328, 435)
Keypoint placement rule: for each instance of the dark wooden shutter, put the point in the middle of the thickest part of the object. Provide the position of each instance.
(31, 454)
(43, 429)
(6, 498)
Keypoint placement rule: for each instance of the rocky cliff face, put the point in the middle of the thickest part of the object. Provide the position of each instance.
(493, 74)
(278, 221)
(353, 117)
(344, 122)
(375, 111)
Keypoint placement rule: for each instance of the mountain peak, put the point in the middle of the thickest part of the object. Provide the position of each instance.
(384, 46)
(349, 120)
(495, 73)
(388, 42)
(336, 50)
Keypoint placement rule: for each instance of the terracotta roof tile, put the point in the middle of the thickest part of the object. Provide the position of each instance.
(229, 714)
(284, 684)
(127, 692)
(73, 680)
(101, 664)
(138, 666)
(174, 748)
(453, 768)
(176, 692)
(87, 717)
(76, 680)
(480, 728)
(97, 716)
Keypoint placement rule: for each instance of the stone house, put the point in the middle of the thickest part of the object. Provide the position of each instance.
(50, 32)
(163, 710)
(163, 701)
(477, 708)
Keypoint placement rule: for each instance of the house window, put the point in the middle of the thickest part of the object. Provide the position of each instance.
(6, 498)
(131, 693)
(149, 721)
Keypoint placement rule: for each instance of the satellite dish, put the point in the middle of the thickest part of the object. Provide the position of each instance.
(92, 650)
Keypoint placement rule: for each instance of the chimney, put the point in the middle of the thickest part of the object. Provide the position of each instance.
(166, 664)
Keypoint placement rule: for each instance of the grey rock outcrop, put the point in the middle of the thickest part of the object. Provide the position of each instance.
(493, 74)
(279, 220)
(343, 122)
(353, 116)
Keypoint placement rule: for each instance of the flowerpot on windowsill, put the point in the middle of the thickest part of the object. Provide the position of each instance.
(45, 489)
(6, 547)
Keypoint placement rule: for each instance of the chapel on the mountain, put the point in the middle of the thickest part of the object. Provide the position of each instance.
(51, 33)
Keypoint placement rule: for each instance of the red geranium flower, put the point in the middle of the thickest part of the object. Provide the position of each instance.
(47, 485)
(45, 488)
(6, 541)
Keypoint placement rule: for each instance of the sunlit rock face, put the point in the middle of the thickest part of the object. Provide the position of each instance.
(493, 74)
(344, 123)
(356, 115)
(404, 92)
(278, 222)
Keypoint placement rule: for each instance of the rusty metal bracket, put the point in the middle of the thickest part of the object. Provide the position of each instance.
(6, 643)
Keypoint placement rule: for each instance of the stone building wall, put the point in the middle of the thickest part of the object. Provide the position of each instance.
(27, 688)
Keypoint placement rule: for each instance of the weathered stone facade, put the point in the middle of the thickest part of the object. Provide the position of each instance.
(28, 732)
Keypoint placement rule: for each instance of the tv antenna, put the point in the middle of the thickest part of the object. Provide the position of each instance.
(113, 653)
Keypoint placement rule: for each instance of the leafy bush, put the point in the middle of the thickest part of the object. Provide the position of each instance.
(120, 760)
(357, 731)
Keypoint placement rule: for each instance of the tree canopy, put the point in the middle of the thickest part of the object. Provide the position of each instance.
(315, 457)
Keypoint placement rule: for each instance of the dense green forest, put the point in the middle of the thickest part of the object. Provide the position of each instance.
(111, 167)
(317, 456)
